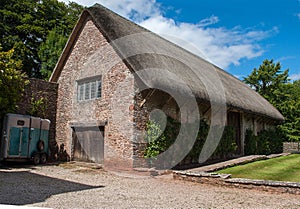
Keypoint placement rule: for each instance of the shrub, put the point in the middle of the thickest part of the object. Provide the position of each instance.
(227, 145)
(159, 141)
(250, 143)
(266, 142)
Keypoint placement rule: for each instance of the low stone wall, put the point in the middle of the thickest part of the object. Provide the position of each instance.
(225, 180)
(289, 147)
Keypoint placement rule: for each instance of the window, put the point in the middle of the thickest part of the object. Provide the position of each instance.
(80, 92)
(93, 89)
(89, 89)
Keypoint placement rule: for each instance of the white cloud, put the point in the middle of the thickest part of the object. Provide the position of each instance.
(133, 9)
(294, 77)
(298, 15)
(221, 46)
(209, 21)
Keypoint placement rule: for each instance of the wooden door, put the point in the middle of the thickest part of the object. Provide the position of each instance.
(88, 144)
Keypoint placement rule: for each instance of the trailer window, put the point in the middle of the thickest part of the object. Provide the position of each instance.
(20, 122)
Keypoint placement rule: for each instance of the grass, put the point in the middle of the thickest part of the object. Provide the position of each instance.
(286, 168)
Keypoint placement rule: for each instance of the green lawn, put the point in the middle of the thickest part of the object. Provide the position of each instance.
(285, 168)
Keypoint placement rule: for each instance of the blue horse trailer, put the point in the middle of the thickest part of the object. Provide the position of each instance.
(25, 138)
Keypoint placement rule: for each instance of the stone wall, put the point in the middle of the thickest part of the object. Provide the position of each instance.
(36, 90)
(289, 147)
(92, 56)
(225, 180)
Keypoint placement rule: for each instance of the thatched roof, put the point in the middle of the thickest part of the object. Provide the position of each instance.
(142, 49)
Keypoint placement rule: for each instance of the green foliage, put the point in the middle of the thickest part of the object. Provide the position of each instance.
(50, 51)
(159, 140)
(267, 78)
(288, 103)
(273, 84)
(38, 107)
(200, 140)
(227, 146)
(265, 143)
(25, 26)
(12, 82)
(250, 143)
(156, 140)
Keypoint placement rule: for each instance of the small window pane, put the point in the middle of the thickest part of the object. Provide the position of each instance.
(93, 90)
(87, 91)
(81, 92)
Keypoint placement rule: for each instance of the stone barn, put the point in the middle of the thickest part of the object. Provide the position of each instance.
(113, 73)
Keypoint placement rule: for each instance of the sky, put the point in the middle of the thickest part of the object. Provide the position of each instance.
(236, 35)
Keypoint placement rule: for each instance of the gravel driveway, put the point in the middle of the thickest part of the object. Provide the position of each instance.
(73, 186)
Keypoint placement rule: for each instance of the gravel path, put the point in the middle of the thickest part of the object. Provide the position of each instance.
(70, 186)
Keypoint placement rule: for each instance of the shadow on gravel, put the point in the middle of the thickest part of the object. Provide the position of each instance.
(23, 187)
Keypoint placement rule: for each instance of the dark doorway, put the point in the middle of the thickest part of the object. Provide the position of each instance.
(88, 144)
(234, 120)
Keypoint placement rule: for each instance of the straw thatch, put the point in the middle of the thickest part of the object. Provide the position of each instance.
(142, 49)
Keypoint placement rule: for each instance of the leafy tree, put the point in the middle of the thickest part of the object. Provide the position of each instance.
(288, 102)
(267, 79)
(50, 51)
(25, 25)
(12, 82)
(273, 84)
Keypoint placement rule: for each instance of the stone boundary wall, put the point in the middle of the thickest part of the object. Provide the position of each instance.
(225, 180)
(289, 147)
(34, 91)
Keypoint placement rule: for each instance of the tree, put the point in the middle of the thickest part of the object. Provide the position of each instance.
(273, 84)
(267, 79)
(288, 103)
(50, 51)
(12, 82)
(25, 25)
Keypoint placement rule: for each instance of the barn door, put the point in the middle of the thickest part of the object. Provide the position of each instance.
(88, 144)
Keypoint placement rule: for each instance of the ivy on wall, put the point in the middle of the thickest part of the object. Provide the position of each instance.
(159, 141)
(266, 142)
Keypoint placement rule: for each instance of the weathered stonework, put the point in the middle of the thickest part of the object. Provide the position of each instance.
(225, 180)
(35, 90)
(290, 147)
(96, 57)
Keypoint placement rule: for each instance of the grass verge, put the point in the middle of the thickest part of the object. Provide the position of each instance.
(286, 168)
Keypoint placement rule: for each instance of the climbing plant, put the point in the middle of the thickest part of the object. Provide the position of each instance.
(160, 140)
(264, 143)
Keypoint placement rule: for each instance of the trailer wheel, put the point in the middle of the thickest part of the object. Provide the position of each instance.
(43, 158)
(36, 159)
(40, 145)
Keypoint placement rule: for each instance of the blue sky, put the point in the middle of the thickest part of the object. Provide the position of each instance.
(236, 35)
